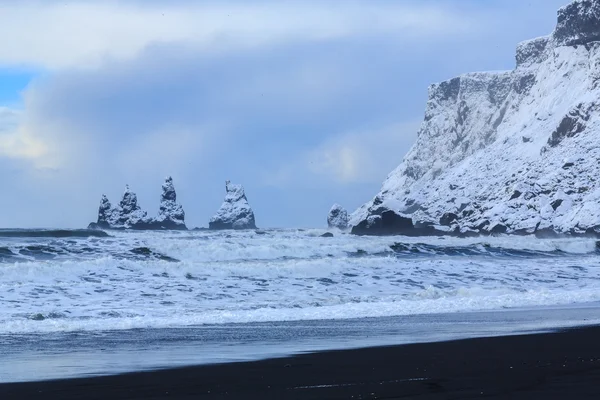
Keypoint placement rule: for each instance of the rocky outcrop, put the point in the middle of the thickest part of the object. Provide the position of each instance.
(129, 215)
(106, 214)
(171, 214)
(578, 23)
(235, 212)
(508, 152)
(338, 217)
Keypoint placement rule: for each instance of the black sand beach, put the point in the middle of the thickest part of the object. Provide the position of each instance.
(549, 366)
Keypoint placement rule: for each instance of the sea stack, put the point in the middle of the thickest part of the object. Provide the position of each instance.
(170, 214)
(506, 152)
(235, 212)
(337, 217)
(129, 215)
(106, 215)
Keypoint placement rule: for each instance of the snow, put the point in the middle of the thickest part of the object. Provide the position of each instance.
(487, 137)
(235, 212)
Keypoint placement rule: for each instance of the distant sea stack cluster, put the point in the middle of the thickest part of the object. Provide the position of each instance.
(235, 213)
(506, 152)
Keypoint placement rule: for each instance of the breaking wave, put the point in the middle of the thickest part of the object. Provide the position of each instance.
(171, 279)
(51, 233)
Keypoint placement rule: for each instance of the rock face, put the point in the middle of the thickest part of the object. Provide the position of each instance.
(235, 212)
(578, 23)
(170, 214)
(509, 152)
(337, 217)
(106, 214)
(129, 215)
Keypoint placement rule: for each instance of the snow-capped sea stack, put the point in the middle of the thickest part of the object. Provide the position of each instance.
(129, 215)
(509, 152)
(235, 212)
(337, 217)
(106, 215)
(170, 214)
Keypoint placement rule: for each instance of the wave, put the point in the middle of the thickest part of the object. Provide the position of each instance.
(51, 233)
(486, 249)
(133, 279)
(427, 303)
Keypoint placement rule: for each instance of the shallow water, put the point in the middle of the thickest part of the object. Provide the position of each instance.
(29, 357)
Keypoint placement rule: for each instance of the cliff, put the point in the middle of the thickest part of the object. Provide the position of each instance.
(506, 152)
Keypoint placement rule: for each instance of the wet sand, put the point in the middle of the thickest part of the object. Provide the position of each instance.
(548, 366)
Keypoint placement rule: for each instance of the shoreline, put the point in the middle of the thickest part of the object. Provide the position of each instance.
(547, 365)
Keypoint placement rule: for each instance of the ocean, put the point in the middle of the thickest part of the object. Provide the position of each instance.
(72, 304)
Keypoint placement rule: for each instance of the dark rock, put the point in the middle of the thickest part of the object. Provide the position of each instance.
(146, 252)
(385, 223)
(556, 203)
(516, 194)
(572, 124)
(483, 225)
(568, 165)
(327, 235)
(449, 90)
(448, 219)
(578, 23)
(498, 229)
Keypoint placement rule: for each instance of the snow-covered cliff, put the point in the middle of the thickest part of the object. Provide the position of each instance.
(515, 151)
(235, 212)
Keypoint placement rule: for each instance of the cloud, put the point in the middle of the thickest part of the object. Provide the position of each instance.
(305, 103)
(62, 34)
(15, 141)
(349, 158)
(362, 156)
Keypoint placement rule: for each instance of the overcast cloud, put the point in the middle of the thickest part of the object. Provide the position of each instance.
(305, 103)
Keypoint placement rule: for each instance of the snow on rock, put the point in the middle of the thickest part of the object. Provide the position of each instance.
(578, 23)
(235, 212)
(337, 217)
(106, 214)
(506, 152)
(129, 215)
(170, 214)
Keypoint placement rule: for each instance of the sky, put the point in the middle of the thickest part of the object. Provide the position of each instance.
(305, 103)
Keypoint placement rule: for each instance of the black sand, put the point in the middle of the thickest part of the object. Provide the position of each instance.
(564, 365)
